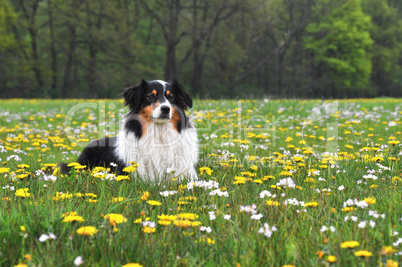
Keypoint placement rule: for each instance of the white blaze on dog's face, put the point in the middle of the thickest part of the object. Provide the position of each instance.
(163, 109)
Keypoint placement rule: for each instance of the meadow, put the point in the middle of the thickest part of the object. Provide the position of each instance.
(281, 183)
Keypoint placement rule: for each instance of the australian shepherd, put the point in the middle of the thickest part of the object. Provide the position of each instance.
(155, 133)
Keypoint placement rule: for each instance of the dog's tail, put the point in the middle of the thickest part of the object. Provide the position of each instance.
(63, 168)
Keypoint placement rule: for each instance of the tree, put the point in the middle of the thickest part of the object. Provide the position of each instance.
(15, 68)
(166, 13)
(386, 52)
(29, 11)
(337, 48)
(206, 17)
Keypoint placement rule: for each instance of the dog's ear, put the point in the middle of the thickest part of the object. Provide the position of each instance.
(181, 95)
(133, 95)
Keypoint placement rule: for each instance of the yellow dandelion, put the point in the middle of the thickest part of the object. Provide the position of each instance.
(188, 216)
(74, 218)
(348, 209)
(331, 258)
(132, 265)
(22, 192)
(22, 176)
(118, 199)
(164, 222)
(254, 168)
(350, 244)
(148, 230)
(87, 230)
(154, 203)
(4, 170)
(132, 168)
(23, 166)
(311, 204)
(186, 223)
(272, 203)
(267, 177)
(370, 200)
(205, 169)
(145, 196)
(115, 218)
(392, 263)
(122, 177)
(363, 253)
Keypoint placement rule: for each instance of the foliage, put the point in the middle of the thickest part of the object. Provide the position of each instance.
(216, 48)
(386, 32)
(338, 46)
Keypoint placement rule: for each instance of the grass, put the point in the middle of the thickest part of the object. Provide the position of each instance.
(248, 147)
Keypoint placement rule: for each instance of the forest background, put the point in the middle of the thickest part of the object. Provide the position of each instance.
(216, 48)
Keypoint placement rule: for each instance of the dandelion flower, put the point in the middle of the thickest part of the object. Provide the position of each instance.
(87, 230)
(167, 217)
(186, 223)
(165, 222)
(363, 253)
(331, 258)
(145, 196)
(22, 192)
(73, 218)
(188, 216)
(122, 177)
(4, 170)
(207, 170)
(154, 203)
(350, 244)
(115, 218)
(129, 169)
(148, 229)
(370, 200)
(132, 265)
(311, 204)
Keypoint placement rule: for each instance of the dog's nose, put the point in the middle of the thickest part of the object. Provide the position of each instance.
(165, 109)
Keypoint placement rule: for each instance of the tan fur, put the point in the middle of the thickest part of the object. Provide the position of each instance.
(175, 119)
(145, 118)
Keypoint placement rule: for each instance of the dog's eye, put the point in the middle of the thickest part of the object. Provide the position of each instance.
(170, 96)
(151, 97)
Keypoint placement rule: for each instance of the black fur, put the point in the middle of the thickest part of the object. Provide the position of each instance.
(133, 124)
(182, 100)
(133, 96)
(98, 153)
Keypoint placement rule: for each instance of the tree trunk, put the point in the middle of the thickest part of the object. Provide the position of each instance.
(280, 73)
(69, 63)
(53, 64)
(93, 50)
(170, 66)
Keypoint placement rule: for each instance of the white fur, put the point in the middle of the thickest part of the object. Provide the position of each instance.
(163, 84)
(161, 152)
(157, 112)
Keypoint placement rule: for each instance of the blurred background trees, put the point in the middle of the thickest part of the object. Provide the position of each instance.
(216, 48)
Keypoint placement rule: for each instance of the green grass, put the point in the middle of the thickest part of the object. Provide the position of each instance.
(249, 139)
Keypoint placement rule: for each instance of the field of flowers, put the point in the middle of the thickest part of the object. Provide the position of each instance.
(281, 182)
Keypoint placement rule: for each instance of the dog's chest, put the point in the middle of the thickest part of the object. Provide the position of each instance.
(160, 149)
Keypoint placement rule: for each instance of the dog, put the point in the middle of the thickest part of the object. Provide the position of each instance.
(156, 133)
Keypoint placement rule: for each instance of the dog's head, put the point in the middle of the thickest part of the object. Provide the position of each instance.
(157, 100)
